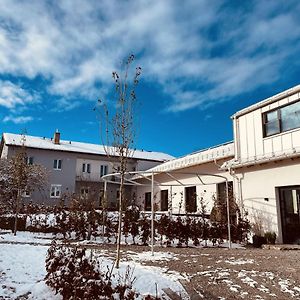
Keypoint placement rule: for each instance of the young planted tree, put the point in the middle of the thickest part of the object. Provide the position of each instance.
(118, 128)
(17, 177)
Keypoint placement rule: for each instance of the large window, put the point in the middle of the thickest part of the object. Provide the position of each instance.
(55, 191)
(190, 199)
(221, 191)
(164, 200)
(282, 119)
(57, 163)
(148, 201)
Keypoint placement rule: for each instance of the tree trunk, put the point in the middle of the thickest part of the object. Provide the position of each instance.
(120, 221)
(17, 211)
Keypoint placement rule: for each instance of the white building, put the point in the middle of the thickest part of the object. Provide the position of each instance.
(263, 163)
(267, 164)
(182, 183)
(74, 167)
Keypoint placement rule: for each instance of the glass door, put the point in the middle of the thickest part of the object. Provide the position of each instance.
(290, 214)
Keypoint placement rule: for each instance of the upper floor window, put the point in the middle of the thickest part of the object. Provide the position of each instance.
(57, 163)
(103, 170)
(281, 119)
(86, 168)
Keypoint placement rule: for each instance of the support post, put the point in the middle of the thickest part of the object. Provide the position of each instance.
(228, 215)
(152, 213)
(104, 207)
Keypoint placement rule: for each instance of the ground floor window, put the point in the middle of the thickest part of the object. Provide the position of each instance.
(221, 191)
(164, 200)
(26, 193)
(55, 191)
(190, 199)
(84, 192)
(148, 201)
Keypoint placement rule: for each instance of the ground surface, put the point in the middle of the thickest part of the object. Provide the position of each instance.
(206, 273)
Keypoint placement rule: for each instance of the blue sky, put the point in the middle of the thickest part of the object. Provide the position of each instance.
(201, 60)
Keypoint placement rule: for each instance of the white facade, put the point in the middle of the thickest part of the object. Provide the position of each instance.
(267, 164)
(187, 172)
(263, 163)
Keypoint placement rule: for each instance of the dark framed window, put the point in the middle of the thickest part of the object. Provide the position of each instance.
(190, 199)
(164, 200)
(281, 119)
(148, 201)
(221, 191)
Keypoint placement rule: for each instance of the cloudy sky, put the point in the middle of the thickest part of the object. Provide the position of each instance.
(201, 60)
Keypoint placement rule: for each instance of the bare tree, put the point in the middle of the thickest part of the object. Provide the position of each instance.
(118, 128)
(18, 177)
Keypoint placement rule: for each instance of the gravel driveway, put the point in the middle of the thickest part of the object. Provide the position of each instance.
(219, 273)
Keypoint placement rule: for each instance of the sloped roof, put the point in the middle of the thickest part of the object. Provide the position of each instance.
(279, 96)
(77, 147)
(225, 150)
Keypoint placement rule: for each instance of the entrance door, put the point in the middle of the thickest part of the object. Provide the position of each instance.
(190, 199)
(290, 214)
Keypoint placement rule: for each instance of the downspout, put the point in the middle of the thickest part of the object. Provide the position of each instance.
(239, 187)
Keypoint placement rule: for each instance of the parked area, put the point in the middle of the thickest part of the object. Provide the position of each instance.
(189, 273)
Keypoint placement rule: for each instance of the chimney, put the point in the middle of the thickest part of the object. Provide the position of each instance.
(56, 137)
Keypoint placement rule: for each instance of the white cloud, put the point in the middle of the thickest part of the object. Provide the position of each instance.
(199, 52)
(17, 119)
(13, 95)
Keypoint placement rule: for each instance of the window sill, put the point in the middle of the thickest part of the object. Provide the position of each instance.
(281, 133)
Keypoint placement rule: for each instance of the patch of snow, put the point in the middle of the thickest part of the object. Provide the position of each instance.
(239, 261)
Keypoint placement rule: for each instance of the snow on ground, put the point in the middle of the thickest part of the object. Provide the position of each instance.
(26, 237)
(22, 269)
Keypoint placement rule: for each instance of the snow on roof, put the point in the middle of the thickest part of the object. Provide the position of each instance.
(196, 158)
(70, 146)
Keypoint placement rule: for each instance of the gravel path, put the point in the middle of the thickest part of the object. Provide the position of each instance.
(218, 273)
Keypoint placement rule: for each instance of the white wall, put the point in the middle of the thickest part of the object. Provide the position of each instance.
(4, 153)
(259, 184)
(205, 191)
(249, 138)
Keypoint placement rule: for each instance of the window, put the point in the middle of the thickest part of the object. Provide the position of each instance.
(86, 168)
(55, 191)
(57, 164)
(148, 201)
(282, 119)
(84, 192)
(103, 170)
(190, 199)
(29, 160)
(26, 194)
(221, 191)
(164, 200)
(271, 123)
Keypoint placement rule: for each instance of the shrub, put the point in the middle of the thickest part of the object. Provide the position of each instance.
(75, 276)
(270, 237)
